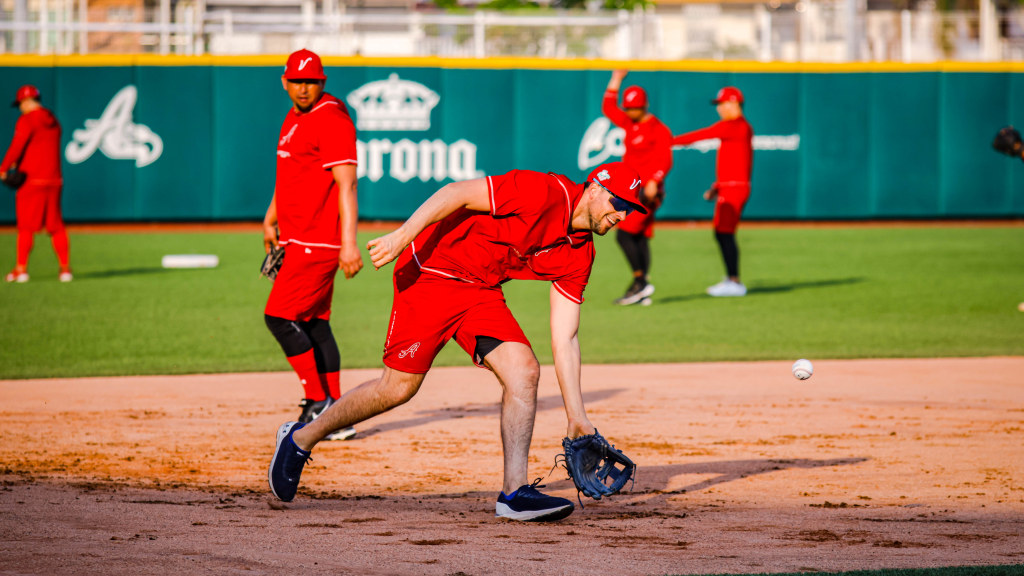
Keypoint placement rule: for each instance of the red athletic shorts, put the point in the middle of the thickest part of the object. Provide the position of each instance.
(38, 207)
(305, 284)
(637, 223)
(429, 310)
(729, 207)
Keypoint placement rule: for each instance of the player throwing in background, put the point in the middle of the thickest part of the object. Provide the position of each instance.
(35, 152)
(732, 181)
(649, 152)
(453, 254)
(313, 215)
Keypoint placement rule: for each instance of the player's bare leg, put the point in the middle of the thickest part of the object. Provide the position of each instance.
(363, 402)
(518, 371)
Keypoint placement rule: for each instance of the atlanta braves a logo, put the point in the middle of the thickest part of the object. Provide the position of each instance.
(410, 351)
(114, 134)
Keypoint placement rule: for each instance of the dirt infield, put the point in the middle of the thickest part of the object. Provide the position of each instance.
(742, 468)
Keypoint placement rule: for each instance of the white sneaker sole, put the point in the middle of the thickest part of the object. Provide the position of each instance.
(343, 434)
(504, 511)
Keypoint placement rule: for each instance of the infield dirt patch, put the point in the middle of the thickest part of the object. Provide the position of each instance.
(742, 468)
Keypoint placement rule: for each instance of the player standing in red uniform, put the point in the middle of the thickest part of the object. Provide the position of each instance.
(649, 152)
(313, 215)
(732, 183)
(35, 151)
(453, 255)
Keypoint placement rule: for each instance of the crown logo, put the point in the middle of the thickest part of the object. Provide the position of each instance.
(393, 104)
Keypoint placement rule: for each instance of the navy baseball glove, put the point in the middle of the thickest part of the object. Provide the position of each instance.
(13, 178)
(1008, 142)
(596, 467)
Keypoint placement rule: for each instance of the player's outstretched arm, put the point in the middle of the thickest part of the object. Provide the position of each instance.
(565, 347)
(470, 194)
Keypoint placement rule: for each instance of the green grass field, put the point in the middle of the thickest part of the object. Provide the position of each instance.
(814, 292)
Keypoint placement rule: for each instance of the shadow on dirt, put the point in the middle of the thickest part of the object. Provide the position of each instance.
(551, 402)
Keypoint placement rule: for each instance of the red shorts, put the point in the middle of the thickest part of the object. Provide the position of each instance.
(429, 310)
(305, 284)
(637, 223)
(729, 207)
(38, 207)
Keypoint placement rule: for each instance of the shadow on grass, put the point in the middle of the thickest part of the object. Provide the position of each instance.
(655, 480)
(424, 417)
(100, 274)
(766, 289)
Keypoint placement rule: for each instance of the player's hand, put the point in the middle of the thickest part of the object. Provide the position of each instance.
(619, 75)
(711, 194)
(385, 249)
(651, 191)
(350, 260)
(269, 237)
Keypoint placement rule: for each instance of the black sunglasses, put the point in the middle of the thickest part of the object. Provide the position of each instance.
(621, 205)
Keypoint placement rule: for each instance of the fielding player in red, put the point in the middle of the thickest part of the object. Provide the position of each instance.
(453, 255)
(649, 152)
(35, 151)
(732, 183)
(313, 215)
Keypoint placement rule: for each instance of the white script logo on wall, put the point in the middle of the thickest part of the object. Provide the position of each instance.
(601, 140)
(114, 134)
(403, 105)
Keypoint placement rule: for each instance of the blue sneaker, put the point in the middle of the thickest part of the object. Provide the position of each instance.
(286, 467)
(529, 505)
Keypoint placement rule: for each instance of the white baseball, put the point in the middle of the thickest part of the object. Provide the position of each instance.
(803, 369)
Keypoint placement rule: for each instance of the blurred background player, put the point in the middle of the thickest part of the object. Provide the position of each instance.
(731, 189)
(649, 152)
(453, 255)
(313, 215)
(35, 151)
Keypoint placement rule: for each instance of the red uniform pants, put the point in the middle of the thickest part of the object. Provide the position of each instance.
(304, 286)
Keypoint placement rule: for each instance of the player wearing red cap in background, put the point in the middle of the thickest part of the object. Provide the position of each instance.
(732, 181)
(35, 151)
(313, 215)
(453, 255)
(649, 152)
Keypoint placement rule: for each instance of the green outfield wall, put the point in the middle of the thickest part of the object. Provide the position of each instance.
(194, 139)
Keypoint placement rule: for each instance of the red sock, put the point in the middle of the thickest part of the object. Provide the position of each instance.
(60, 246)
(25, 240)
(332, 381)
(305, 366)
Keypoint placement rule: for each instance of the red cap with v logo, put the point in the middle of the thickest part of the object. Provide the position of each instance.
(304, 65)
(621, 180)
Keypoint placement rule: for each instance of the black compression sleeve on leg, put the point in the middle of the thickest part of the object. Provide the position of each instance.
(730, 253)
(631, 248)
(290, 335)
(645, 254)
(325, 347)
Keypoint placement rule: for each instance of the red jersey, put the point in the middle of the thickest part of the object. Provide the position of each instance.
(527, 235)
(735, 155)
(36, 148)
(311, 144)
(648, 142)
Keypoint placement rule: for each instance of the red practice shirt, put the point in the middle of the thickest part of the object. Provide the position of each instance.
(311, 144)
(735, 155)
(526, 235)
(648, 142)
(36, 148)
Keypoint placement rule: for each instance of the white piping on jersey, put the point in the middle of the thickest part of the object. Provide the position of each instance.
(308, 244)
(566, 294)
(347, 161)
(434, 271)
(490, 189)
(322, 104)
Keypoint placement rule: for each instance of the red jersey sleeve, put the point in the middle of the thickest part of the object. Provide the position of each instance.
(574, 281)
(716, 130)
(515, 192)
(22, 134)
(337, 138)
(661, 159)
(610, 108)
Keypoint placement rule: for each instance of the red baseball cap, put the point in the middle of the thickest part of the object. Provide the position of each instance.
(304, 65)
(728, 93)
(621, 180)
(634, 97)
(26, 91)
